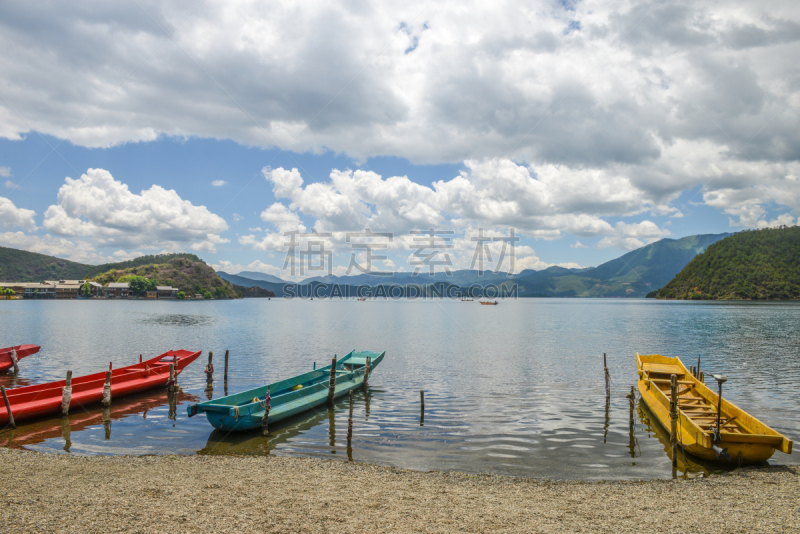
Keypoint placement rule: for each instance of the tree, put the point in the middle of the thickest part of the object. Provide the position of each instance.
(139, 284)
(181, 295)
(207, 295)
(87, 289)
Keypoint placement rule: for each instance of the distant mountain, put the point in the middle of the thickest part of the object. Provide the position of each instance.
(237, 280)
(253, 275)
(632, 275)
(754, 264)
(23, 266)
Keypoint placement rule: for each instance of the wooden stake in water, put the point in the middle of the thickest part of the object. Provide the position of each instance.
(107, 390)
(225, 376)
(209, 370)
(697, 369)
(8, 408)
(366, 374)
(350, 421)
(14, 360)
(171, 382)
(608, 377)
(421, 406)
(66, 394)
(265, 419)
(332, 382)
(673, 418)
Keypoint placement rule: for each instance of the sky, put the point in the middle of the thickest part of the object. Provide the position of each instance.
(393, 137)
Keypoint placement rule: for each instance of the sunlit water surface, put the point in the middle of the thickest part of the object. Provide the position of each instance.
(513, 389)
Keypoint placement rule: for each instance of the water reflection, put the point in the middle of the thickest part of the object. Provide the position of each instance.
(39, 431)
(539, 410)
(688, 466)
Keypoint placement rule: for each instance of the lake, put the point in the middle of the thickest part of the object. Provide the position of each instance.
(513, 389)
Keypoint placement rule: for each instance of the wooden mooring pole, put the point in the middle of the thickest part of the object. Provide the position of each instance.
(225, 376)
(8, 408)
(421, 407)
(673, 418)
(171, 382)
(265, 419)
(366, 374)
(350, 421)
(209, 370)
(332, 382)
(608, 376)
(66, 394)
(107, 390)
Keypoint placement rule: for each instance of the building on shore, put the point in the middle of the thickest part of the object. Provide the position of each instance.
(117, 290)
(167, 292)
(71, 289)
(40, 291)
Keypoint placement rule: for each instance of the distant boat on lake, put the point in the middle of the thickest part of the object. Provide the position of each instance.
(488, 303)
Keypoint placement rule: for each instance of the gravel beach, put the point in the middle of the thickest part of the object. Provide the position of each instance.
(66, 493)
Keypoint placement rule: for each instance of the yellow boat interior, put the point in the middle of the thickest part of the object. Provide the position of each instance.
(748, 439)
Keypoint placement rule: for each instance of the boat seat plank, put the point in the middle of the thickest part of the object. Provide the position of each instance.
(662, 368)
(667, 381)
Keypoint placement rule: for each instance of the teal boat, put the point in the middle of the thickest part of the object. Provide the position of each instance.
(245, 411)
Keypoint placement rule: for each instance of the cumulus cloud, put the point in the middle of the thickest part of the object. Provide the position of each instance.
(12, 216)
(218, 183)
(565, 113)
(99, 206)
(5, 172)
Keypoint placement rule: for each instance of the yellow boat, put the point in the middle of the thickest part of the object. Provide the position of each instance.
(743, 439)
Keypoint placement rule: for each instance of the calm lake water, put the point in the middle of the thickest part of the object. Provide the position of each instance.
(513, 389)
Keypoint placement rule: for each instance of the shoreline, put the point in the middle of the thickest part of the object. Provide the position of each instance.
(54, 492)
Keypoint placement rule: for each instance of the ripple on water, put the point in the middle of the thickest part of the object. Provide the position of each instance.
(521, 396)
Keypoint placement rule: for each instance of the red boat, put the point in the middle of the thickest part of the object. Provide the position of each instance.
(22, 350)
(42, 399)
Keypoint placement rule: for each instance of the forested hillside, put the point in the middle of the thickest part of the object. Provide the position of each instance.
(23, 266)
(189, 276)
(754, 264)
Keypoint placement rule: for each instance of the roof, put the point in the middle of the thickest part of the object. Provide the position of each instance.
(68, 286)
(95, 284)
(166, 288)
(70, 282)
(119, 285)
(47, 286)
(13, 284)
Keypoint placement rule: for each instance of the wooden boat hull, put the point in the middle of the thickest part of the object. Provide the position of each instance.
(238, 413)
(7, 363)
(748, 440)
(42, 399)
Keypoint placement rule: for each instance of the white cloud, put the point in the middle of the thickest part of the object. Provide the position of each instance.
(5, 172)
(633, 236)
(578, 244)
(218, 183)
(258, 266)
(74, 250)
(96, 205)
(11, 185)
(565, 113)
(12, 216)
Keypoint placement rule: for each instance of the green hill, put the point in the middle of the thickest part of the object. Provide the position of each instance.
(754, 264)
(632, 275)
(23, 266)
(181, 272)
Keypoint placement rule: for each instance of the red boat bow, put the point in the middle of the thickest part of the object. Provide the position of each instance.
(22, 350)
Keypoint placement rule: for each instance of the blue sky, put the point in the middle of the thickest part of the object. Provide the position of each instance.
(591, 129)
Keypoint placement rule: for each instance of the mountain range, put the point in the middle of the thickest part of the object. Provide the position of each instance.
(634, 274)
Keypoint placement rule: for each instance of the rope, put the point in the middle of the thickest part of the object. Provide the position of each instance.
(66, 397)
(106, 394)
(14, 360)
